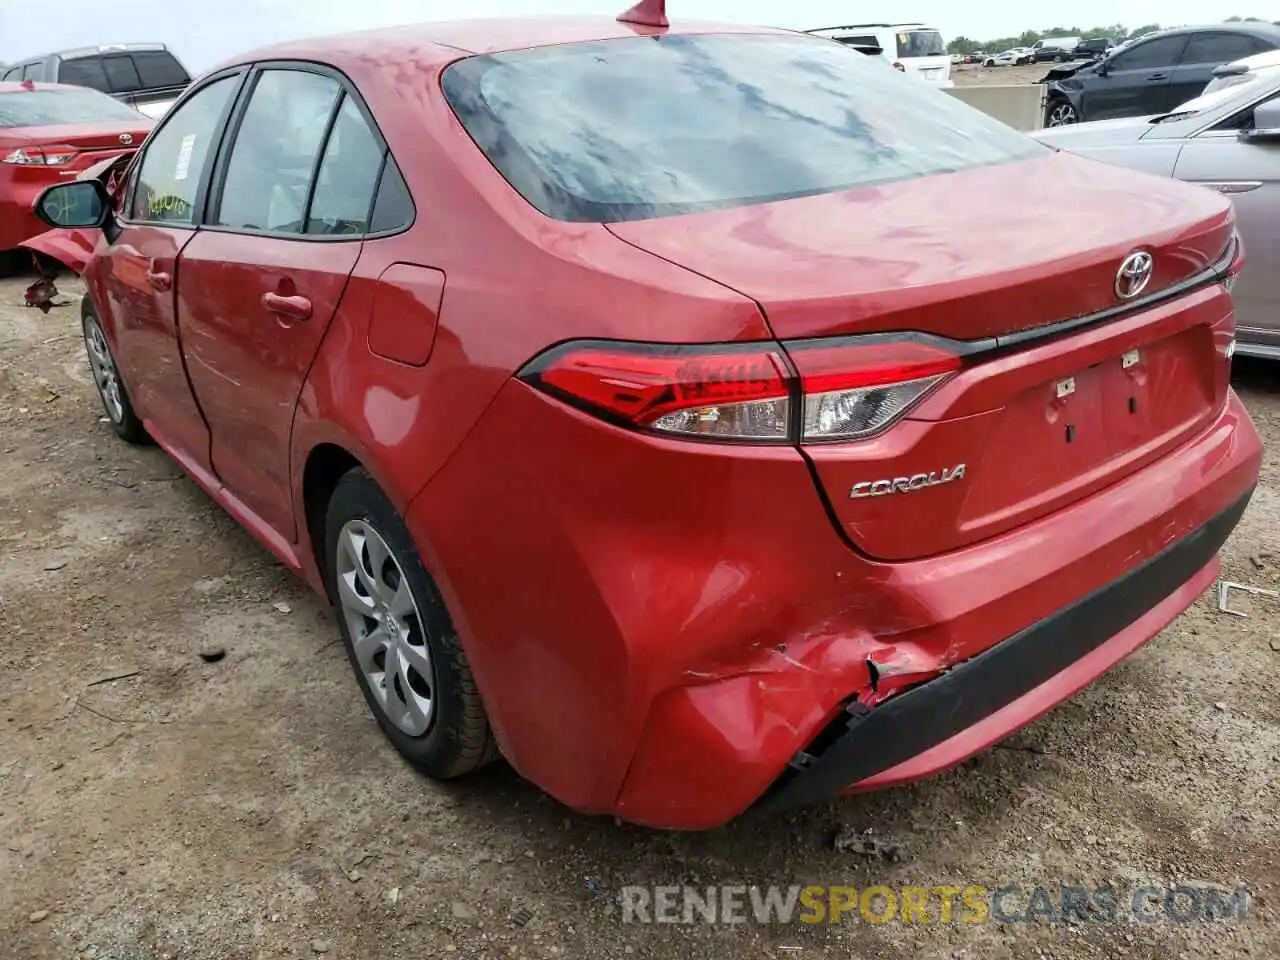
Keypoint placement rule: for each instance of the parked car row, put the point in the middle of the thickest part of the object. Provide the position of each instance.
(1151, 75)
(1227, 138)
(643, 446)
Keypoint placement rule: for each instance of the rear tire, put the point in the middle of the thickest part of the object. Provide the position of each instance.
(399, 637)
(106, 377)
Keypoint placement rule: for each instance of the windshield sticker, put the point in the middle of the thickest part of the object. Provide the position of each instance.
(183, 166)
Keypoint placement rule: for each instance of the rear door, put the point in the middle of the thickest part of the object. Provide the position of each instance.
(1135, 82)
(261, 281)
(1249, 173)
(1203, 52)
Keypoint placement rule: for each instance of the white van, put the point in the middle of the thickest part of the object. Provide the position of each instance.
(913, 48)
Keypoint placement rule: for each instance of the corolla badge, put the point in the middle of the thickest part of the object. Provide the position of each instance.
(1134, 274)
(919, 481)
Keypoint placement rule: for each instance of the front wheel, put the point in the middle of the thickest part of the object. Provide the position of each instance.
(106, 377)
(399, 638)
(1060, 114)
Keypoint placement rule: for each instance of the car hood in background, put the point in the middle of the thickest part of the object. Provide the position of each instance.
(1096, 133)
(1061, 71)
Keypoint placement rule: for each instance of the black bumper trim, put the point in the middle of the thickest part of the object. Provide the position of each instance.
(906, 725)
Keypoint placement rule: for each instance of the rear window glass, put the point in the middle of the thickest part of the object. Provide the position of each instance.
(631, 129)
(159, 68)
(920, 43)
(84, 72)
(121, 74)
(38, 108)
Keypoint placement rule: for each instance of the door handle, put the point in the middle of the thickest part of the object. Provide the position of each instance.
(160, 280)
(295, 308)
(1158, 76)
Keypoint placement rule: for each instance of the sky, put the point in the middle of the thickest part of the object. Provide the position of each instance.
(204, 32)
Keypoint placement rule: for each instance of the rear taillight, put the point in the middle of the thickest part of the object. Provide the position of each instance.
(1236, 265)
(853, 390)
(829, 390)
(56, 156)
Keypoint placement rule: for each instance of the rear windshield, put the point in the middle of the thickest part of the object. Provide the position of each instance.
(39, 108)
(645, 127)
(920, 43)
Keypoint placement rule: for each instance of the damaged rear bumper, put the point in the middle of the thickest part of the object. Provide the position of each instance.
(870, 742)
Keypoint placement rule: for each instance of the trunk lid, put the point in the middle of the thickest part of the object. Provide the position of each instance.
(91, 143)
(975, 255)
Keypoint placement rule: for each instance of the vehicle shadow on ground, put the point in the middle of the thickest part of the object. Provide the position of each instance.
(1256, 375)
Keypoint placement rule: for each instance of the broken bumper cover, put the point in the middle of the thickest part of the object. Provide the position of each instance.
(867, 742)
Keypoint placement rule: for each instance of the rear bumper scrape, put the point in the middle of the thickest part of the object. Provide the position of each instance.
(866, 741)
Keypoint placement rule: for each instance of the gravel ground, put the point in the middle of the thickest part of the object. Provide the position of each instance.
(249, 808)
(972, 75)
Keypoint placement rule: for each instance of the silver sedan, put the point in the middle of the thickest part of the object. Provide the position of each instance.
(1228, 139)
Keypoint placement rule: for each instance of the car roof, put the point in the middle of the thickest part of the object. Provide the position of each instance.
(1268, 30)
(444, 40)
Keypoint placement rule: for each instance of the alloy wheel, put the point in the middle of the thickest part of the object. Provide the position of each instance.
(1061, 114)
(104, 370)
(386, 629)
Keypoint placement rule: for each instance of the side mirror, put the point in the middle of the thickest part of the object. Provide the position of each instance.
(1266, 124)
(1103, 66)
(83, 203)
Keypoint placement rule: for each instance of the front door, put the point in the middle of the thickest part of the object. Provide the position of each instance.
(138, 268)
(262, 279)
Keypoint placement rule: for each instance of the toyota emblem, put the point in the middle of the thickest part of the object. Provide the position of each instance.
(126, 138)
(1134, 274)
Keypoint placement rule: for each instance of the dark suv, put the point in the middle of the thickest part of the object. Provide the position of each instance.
(1153, 75)
(147, 76)
(1092, 49)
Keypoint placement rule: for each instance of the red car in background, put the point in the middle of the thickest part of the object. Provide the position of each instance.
(50, 133)
(650, 410)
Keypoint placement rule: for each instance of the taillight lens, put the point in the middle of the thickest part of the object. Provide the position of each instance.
(703, 392)
(854, 390)
(41, 156)
(1237, 263)
(846, 390)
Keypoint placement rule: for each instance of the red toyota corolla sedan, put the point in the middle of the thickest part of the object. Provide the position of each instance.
(49, 133)
(650, 408)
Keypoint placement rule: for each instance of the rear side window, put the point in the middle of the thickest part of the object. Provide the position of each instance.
(636, 128)
(348, 176)
(1220, 48)
(40, 108)
(920, 43)
(159, 68)
(393, 210)
(169, 176)
(85, 72)
(1160, 52)
(277, 145)
(860, 41)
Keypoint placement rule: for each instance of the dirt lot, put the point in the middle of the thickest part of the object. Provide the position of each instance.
(973, 75)
(249, 808)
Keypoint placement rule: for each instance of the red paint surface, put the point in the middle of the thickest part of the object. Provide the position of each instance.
(658, 625)
(21, 185)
